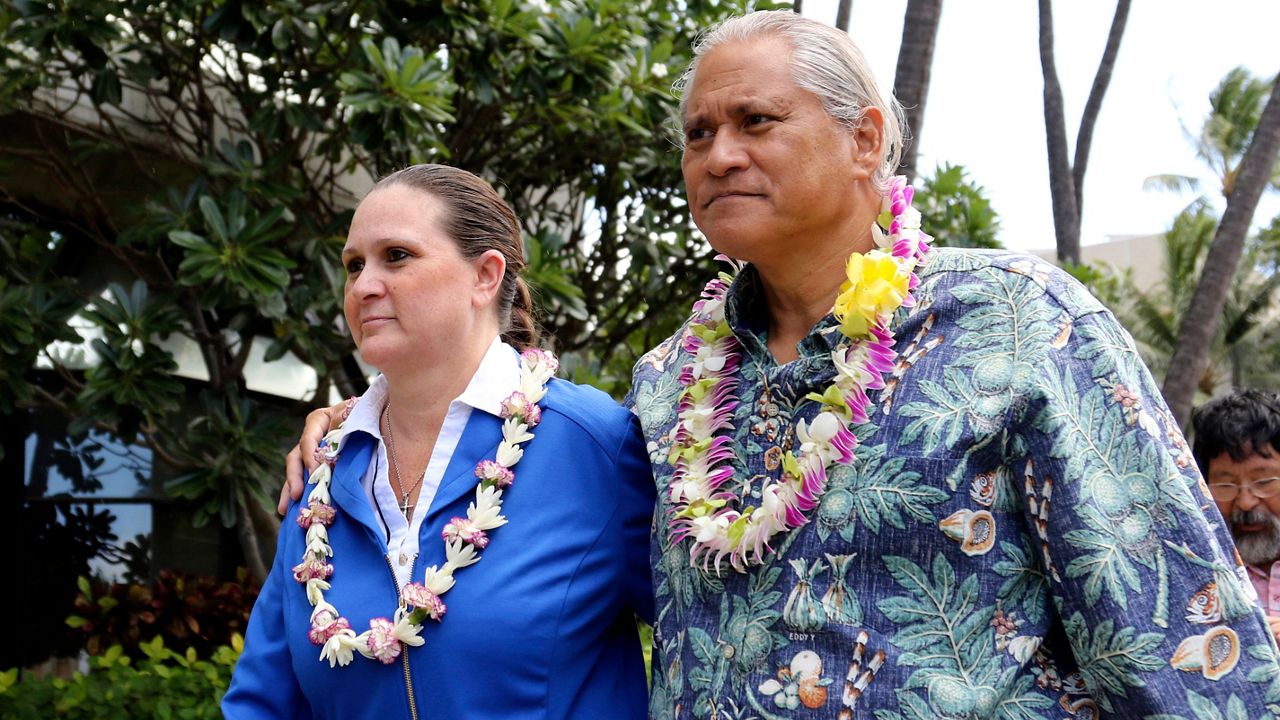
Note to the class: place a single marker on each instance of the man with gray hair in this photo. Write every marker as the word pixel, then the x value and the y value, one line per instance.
pixel 901 482
pixel 1236 443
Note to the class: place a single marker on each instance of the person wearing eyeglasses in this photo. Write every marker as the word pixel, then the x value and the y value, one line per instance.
pixel 1237 446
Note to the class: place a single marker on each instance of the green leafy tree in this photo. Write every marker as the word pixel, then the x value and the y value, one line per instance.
pixel 1245 344
pixel 1235 108
pixel 1247 341
pixel 956 210
pixel 184 173
pixel 1255 172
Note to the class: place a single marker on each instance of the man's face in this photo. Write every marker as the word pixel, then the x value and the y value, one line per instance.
pixel 764 165
pixel 1254 522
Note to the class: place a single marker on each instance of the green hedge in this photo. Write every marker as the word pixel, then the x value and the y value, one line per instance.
pixel 163 685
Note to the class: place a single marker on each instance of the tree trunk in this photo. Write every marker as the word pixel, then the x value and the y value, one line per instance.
pixel 1084 139
pixel 1066 220
pixel 248 537
pixel 843 10
pixel 911 79
pixel 1200 322
pixel 795 7
pixel 266 528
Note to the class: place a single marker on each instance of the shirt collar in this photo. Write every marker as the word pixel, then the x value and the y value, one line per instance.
pixel 748 316
pixel 366 416
pixel 1264 573
pixel 497 377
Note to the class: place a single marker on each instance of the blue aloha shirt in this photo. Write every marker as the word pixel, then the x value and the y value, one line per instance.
pixel 1023 533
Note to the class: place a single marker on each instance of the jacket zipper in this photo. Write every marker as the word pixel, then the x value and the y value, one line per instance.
pixel 404 650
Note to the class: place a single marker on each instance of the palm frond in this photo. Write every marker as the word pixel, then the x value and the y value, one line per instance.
pixel 1171 183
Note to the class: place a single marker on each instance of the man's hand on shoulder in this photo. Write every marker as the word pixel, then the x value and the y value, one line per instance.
pixel 318 424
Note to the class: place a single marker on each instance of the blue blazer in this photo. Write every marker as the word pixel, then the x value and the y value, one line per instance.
pixel 542 628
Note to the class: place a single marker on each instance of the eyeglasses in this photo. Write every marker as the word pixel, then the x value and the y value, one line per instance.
pixel 1260 488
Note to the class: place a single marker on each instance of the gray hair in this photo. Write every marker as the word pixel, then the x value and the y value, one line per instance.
pixel 824 61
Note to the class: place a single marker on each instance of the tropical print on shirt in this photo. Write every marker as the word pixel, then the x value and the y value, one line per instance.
pixel 1023 533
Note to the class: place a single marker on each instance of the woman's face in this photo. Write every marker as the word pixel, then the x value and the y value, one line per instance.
pixel 410 294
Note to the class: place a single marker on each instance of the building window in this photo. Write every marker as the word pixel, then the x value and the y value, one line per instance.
pixel 100 489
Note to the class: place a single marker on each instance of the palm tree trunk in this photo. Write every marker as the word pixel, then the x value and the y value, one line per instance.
pixel 1066 219
pixel 1084 139
pixel 843 10
pixel 911 79
pixel 1200 322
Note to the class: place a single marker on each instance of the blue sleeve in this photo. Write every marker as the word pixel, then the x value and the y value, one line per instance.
pixel 264 684
pixel 1155 605
pixel 637 501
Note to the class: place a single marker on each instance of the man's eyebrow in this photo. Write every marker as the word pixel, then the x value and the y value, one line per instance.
pixel 752 104
pixel 743 106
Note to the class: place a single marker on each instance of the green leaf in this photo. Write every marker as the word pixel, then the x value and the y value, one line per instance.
pixel 280 34
pixel 106 87
pixel 1112 659
pixel 1204 708
pixel 189 240
pixel 213 219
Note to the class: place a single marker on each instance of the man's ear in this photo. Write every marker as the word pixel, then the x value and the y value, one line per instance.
pixel 868 137
pixel 490 268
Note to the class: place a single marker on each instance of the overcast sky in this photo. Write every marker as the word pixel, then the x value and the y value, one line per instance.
pixel 985 109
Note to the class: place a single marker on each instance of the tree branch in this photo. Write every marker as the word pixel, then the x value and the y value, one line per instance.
pixel 843 10
pixel 911 78
pixel 1066 222
pixel 1093 106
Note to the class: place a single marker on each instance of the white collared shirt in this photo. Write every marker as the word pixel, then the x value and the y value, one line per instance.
pixel 497 377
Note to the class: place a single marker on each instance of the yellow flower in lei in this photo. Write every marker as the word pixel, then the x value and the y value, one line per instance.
pixel 704 505
pixel 876 286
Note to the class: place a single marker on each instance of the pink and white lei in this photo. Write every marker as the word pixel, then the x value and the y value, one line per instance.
pixel 705 508
pixel 463 537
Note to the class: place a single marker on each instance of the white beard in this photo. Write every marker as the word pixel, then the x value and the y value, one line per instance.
pixel 1259 548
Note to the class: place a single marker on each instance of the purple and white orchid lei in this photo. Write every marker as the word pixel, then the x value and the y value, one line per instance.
pixel 463 537
pixel 704 506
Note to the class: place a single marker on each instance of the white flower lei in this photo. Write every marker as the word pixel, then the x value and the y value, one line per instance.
pixel 463 537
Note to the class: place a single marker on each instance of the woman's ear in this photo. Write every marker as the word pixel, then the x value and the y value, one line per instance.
pixel 868 136
pixel 490 268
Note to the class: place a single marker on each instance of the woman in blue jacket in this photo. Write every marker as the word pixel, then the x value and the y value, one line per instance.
pixel 475 544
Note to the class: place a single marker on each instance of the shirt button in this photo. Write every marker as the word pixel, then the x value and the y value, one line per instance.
pixel 403 560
